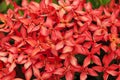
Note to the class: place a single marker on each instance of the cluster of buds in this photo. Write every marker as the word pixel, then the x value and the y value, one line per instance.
pixel 49 41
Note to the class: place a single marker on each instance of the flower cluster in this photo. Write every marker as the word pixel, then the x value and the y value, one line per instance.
pixel 49 41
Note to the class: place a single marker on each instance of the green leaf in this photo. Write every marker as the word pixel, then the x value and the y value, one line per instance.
pixel 10 6
pixel 95 3
pixel 55 1
pixel 3 7
pixel 104 2
pixel 37 1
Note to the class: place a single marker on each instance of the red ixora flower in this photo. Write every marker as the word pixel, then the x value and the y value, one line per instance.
pixel 51 41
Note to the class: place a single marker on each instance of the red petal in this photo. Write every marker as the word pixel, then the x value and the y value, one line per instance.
pixel 88 6
pixel 69 75
pixel 3 53
pixel 39 64
pixel 25 21
pixel 80 39
pixel 98 68
pixel 86 61
pixel 80 49
pixel 46 75
pixel 87 35
pixel 67 49
pixel 36 72
pixel 35 51
pixel 59 45
pixel 113 67
pixel 20 58
pixel 96 60
pixel 27 65
pixel 16 38
pixel 111 72
pixel 70 42
pixel 55 6
pixel 60 26
pixel 83 76
pixel 118 78
pixel 59 71
pixel 44 31
pixel 68 34
pixel 12 66
pixel 10 76
pixel 31 42
pixel 73 61
pixel 49 22
pixel 83 28
pixel 61 13
pixel 23 32
pixel 105 76
pixel 4 59
pixel 28 74
pixel 24 3
pixel 92 72
pixel 63 56
pixel 18 79
pixel 13 49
